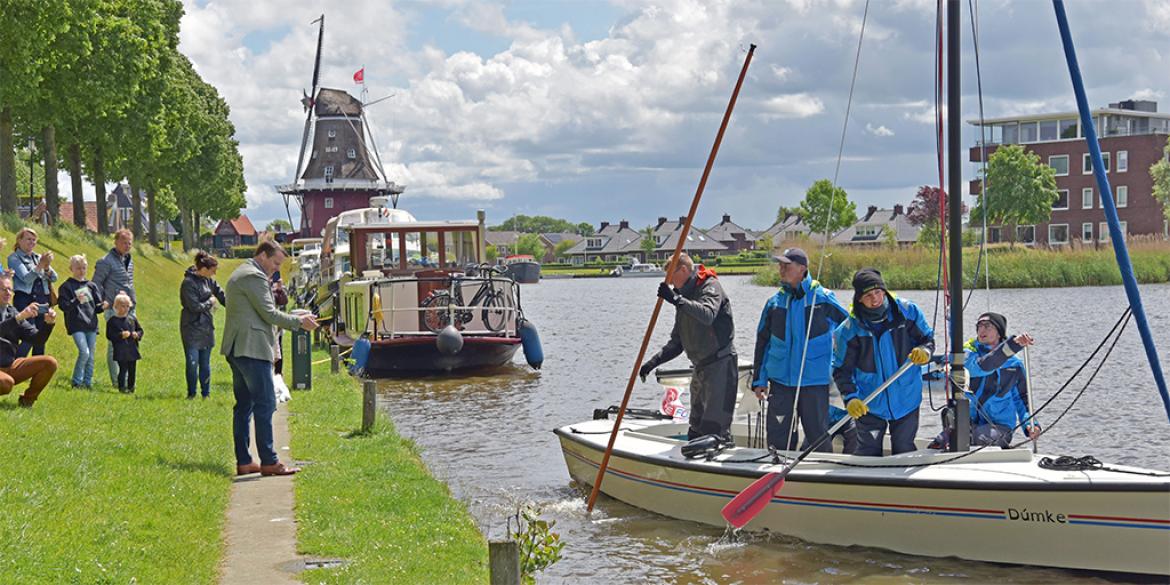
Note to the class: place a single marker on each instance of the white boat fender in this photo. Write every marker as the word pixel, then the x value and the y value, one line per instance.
pixel 449 341
pixel 530 342
pixel 360 355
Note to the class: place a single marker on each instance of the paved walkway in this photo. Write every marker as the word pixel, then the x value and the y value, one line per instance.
pixel 261 531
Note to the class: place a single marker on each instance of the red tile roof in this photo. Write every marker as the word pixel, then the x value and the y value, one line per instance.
pixel 243 226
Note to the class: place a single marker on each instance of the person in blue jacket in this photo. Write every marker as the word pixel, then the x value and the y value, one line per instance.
pixel 881 333
pixel 999 385
pixel 786 371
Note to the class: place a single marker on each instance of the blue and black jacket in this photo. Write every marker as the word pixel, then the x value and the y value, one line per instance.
pixel 866 353
pixel 781 334
pixel 999 384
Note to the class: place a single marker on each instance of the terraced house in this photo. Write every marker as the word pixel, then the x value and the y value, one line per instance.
pixel 1132 134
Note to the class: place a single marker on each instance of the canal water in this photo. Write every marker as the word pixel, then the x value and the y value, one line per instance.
pixel 490 437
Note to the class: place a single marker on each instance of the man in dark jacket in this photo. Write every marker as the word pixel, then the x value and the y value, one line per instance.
pixel 704 330
pixel 882 332
pixel 16 327
pixel 114 273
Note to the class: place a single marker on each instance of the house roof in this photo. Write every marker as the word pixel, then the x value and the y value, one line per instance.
pixel 555 238
pixel 615 239
pixel 666 233
pixel 726 231
pixel 502 237
pixel 884 220
pixel 242 226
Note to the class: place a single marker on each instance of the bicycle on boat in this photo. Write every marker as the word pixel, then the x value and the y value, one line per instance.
pixel 494 313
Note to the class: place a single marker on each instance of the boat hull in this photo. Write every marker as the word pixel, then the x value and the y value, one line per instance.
pixel 420 356
pixel 1068 524
pixel 525 272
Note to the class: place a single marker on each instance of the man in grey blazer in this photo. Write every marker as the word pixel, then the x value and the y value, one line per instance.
pixel 248 337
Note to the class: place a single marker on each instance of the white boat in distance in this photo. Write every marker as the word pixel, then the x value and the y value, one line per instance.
pixel 999 505
pixel 639 270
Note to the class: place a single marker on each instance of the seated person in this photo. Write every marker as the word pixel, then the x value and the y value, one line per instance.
pixel 999 386
pixel 20 326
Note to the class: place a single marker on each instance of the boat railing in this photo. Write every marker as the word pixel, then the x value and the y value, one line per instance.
pixel 402 310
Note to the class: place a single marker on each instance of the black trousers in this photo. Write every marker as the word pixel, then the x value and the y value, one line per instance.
pixel 872 429
pixel 126 374
pixel 713 389
pixel 813 411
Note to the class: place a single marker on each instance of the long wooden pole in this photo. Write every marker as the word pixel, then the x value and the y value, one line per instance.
pixel 682 238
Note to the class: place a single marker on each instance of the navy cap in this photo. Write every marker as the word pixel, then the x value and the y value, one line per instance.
pixel 792 255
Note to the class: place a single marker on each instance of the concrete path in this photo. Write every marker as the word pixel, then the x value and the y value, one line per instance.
pixel 261 531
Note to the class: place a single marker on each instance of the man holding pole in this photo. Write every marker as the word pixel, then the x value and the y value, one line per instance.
pixel 794 347
pixel 704 330
pixel 882 332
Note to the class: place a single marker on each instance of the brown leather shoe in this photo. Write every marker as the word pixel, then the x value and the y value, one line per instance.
pixel 252 467
pixel 278 468
pixel 24 402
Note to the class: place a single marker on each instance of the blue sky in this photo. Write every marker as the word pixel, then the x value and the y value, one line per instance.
pixel 601 111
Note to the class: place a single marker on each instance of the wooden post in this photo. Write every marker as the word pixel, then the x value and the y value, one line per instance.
pixel 369 404
pixel 334 358
pixel 504 562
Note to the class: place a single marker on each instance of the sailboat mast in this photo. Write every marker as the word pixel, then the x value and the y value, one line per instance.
pixel 959 424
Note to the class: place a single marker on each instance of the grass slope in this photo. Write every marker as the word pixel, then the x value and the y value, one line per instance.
pixel 98 487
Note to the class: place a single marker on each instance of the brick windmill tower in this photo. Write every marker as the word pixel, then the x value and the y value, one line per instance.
pixel 344 169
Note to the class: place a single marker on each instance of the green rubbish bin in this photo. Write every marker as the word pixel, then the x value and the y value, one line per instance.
pixel 302 360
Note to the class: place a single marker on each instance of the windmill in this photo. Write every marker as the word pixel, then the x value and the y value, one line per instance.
pixel 343 168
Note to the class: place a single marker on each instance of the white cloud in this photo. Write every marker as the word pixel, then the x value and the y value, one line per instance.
pixel 878 130
pixel 794 105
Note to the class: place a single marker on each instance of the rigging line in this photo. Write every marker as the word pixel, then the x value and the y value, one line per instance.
pixel 828 223
pixel 984 259
pixel 1105 358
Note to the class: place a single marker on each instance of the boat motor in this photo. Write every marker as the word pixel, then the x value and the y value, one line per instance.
pixel 449 341
pixel 707 447
pixel 530 342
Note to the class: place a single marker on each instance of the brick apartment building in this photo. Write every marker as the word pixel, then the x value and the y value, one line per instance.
pixel 1132 135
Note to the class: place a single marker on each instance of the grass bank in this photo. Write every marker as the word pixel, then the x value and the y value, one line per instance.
pixel 370 500
pixel 98 487
pixel 917 268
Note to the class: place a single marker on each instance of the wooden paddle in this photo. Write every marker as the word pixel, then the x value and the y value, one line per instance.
pixel 752 500
pixel 682 238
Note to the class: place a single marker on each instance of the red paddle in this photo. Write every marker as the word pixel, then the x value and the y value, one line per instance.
pixel 752 500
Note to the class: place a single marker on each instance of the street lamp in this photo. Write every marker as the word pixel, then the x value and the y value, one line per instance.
pixel 32 148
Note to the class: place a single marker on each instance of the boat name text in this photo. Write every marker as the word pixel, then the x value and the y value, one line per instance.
pixel 1025 515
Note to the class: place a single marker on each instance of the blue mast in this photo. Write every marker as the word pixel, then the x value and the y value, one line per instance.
pixel 1119 247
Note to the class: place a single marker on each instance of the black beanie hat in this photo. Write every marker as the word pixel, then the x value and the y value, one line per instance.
pixel 866 280
pixel 998 321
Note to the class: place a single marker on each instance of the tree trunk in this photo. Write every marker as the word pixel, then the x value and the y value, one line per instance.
pixel 7 163
pixel 75 182
pixel 99 183
pixel 52 197
pixel 187 225
pixel 136 199
pixel 152 216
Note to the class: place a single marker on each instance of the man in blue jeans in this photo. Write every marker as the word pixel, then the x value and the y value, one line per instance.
pixel 248 338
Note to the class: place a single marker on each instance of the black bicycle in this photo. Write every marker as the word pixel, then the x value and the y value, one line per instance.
pixel 438 311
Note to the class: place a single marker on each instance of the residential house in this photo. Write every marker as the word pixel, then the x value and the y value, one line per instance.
pixel 504 241
pixel 120 210
pixel 554 239
pixel 733 237
pixel 877 225
pixel 698 245
pixel 65 214
pixel 234 232
pixel 609 244
pixel 116 218
pixel 1132 135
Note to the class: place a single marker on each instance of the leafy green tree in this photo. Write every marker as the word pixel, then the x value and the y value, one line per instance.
pixel 585 229
pixel 924 213
pixel 785 211
pixel 530 244
pixel 648 244
pixel 279 225
pixel 491 253
pixel 562 248
pixel 820 199
pixel 538 224
pixel 1021 192
pixel 1160 171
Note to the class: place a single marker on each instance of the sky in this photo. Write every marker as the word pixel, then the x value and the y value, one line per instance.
pixel 603 111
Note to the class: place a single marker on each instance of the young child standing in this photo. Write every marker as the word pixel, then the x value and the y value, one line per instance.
pixel 124 332
pixel 81 300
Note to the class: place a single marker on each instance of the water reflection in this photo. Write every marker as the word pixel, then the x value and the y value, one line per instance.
pixel 488 435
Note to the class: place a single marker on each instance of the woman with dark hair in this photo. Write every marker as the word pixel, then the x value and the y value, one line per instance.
pixel 199 295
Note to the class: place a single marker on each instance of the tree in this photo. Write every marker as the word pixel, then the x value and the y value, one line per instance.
pixel 815 209
pixel 562 248
pixel 1160 171
pixel 585 229
pixel 531 245
pixel 924 213
pixel 491 253
pixel 1021 191
pixel 279 225
pixel 539 224
pixel 648 243
pixel 785 211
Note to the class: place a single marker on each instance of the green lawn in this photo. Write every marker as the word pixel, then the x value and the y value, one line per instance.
pixel 99 487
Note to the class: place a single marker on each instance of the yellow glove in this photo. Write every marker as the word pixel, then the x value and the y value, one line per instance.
pixel 919 356
pixel 856 408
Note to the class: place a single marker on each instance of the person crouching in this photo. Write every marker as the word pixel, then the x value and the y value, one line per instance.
pixel 124 332
pixel 17 327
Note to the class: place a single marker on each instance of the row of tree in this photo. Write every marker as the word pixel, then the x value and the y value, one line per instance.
pixel 542 224
pixel 102 89
pixel 1021 191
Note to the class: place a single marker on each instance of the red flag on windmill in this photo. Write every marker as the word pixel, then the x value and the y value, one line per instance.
pixel 360 75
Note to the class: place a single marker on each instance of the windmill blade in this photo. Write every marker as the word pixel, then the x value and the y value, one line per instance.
pixel 304 144
pixel 310 99
pixel 317 63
